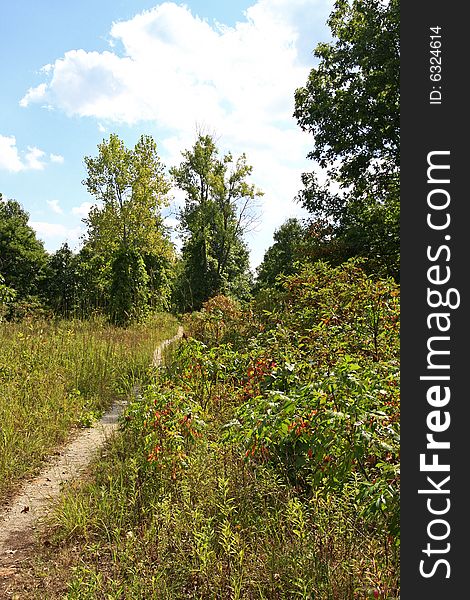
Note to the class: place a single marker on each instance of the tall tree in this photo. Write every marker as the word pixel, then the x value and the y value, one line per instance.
pixel 350 104
pixel 218 211
pixel 129 289
pixel 131 188
pixel 7 296
pixel 62 281
pixel 22 256
pixel 94 277
pixel 281 257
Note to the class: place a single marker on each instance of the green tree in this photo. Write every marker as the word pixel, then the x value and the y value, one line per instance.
pixel 7 296
pixel 160 269
pixel 62 281
pixel 94 276
pixel 129 288
pixel 131 188
pixel 280 258
pixel 218 210
pixel 350 104
pixel 22 256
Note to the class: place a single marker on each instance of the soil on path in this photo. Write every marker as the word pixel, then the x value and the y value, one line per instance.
pixel 19 520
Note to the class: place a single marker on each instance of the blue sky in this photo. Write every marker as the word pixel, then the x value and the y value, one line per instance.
pixel 74 72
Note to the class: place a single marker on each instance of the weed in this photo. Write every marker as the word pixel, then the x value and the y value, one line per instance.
pixel 57 375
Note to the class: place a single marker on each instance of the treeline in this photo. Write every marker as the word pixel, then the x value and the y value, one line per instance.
pixel 128 266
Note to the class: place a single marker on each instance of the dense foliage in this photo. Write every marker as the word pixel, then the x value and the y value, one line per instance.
pixel 22 256
pixel 127 266
pixel 317 381
pixel 125 229
pixel 282 256
pixel 217 211
pixel 131 187
pixel 262 461
pixel 350 104
pixel 129 287
pixel 62 281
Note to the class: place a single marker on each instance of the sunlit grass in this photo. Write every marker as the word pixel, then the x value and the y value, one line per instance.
pixel 219 528
pixel 218 485
pixel 58 375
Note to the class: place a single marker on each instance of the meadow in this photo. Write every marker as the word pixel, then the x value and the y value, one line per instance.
pixel 59 375
pixel 261 461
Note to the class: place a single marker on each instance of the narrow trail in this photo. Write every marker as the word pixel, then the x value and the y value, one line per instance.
pixel 158 354
pixel 19 520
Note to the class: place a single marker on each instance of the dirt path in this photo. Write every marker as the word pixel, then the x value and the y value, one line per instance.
pixel 19 520
pixel 157 355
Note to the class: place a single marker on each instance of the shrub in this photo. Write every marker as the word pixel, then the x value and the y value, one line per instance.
pixel 217 319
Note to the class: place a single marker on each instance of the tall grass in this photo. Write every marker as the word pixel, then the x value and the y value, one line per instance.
pixel 58 375
pixel 215 527
pixel 260 462
pixel 219 531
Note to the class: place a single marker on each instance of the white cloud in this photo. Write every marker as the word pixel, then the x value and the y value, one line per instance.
pixel 179 70
pixel 56 158
pixel 55 234
pixel 11 159
pixel 170 67
pixel 54 206
pixel 34 159
pixel 171 222
pixel 82 210
pixel 37 93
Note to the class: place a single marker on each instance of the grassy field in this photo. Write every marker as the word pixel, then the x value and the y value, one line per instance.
pixel 259 462
pixel 219 531
pixel 58 375
pixel 206 524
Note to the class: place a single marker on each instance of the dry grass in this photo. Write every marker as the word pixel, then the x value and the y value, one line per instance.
pixel 58 375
